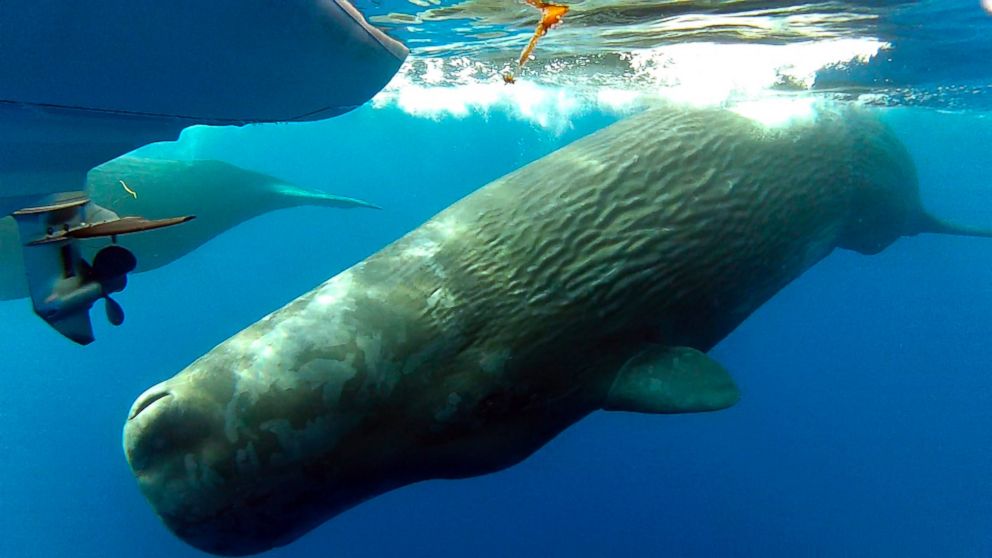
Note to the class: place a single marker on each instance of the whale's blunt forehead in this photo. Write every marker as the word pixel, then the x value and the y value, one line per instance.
pixel 267 404
pixel 309 373
pixel 232 396
pixel 292 367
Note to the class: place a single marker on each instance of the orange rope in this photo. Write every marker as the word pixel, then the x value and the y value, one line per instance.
pixel 551 15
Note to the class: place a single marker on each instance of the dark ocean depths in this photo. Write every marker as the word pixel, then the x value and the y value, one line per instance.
pixel 865 427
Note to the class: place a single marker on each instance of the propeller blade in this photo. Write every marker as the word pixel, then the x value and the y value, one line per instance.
pixel 115 314
pixel 111 266
pixel 113 261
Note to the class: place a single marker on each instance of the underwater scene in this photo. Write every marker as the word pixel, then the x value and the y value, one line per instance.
pixel 430 278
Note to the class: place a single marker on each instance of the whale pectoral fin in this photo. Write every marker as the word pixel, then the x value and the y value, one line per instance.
pixel 671 380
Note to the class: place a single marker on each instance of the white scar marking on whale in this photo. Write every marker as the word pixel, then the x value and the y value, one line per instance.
pixel 428 246
pixel 422 250
pixel 334 290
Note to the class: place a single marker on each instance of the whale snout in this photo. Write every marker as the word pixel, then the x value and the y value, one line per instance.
pixel 147 399
pixel 174 442
pixel 162 429
pixel 217 481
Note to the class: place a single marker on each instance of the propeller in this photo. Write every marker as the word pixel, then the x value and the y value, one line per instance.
pixel 64 286
pixel 110 268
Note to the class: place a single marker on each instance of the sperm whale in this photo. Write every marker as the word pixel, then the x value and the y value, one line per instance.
pixel 594 278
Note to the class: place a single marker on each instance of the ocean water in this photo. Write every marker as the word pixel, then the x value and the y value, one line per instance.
pixel 864 427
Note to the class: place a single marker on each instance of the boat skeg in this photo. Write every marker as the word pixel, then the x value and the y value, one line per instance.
pixel 62 285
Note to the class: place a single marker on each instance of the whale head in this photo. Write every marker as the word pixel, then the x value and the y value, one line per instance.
pixel 237 465
pixel 176 445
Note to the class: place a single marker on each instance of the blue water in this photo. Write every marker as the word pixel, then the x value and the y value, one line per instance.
pixel 863 429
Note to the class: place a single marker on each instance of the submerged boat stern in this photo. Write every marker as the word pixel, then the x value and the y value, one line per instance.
pixel 83 83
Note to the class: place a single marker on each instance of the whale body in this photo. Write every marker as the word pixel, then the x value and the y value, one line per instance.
pixel 221 195
pixel 594 278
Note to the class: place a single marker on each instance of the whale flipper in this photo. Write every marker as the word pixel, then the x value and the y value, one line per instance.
pixel 671 380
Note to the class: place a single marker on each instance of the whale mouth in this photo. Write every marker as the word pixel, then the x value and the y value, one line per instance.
pixel 147 401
